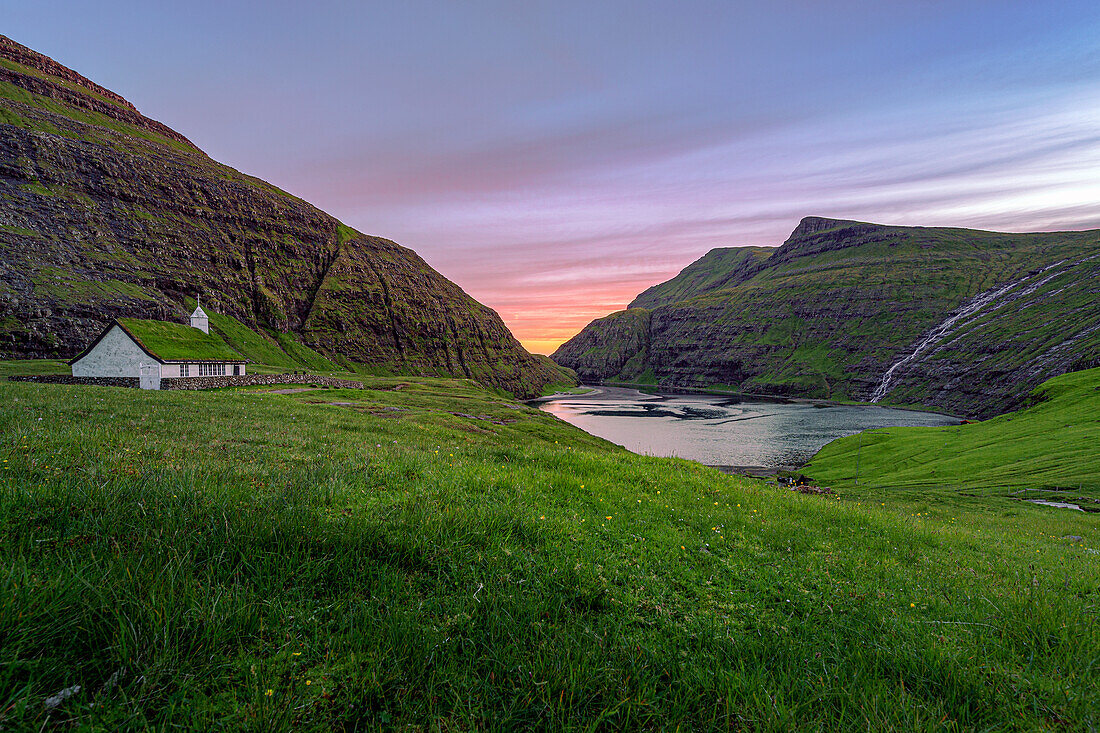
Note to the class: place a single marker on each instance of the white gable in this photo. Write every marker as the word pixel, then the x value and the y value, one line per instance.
pixel 199 319
pixel 115 355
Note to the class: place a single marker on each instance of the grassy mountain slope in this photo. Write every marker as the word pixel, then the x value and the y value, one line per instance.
pixel 716 269
pixel 1046 451
pixel 830 311
pixel 104 213
pixel 281 351
pixel 424 553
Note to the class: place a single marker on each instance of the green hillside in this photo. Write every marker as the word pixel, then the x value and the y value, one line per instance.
pixel 828 313
pixel 1049 450
pixel 108 214
pixel 718 268
pixel 423 554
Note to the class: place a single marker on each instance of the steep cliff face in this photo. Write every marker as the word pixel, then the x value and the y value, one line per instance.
pixel 107 213
pixel 617 344
pixel 963 320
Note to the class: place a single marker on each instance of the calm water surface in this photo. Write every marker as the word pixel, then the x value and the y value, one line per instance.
pixel 723 431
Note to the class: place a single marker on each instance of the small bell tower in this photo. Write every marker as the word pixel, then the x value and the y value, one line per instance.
pixel 199 319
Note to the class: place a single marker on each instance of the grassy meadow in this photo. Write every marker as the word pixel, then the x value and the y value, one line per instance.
pixel 1050 450
pixel 424 554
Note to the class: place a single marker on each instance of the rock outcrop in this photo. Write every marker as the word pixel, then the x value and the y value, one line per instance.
pixel 829 313
pixel 107 213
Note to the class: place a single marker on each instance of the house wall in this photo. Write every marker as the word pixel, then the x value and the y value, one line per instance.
pixel 116 355
pixel 171 371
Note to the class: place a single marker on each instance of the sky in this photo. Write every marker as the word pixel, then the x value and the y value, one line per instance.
pixel 557 158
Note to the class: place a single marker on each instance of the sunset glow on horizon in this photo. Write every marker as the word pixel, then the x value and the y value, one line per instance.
pixel 556 159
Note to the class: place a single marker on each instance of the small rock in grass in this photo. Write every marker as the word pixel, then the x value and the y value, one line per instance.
pixel 53 701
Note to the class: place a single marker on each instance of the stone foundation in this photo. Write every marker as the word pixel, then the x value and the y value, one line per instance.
pixel 69 379
pixel 244 380
pixel 249 380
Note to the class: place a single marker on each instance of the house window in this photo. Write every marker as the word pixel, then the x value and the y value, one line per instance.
pixel 236 370
pixel 183 369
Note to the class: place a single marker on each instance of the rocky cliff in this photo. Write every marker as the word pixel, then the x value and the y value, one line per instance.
pixel 963 320
pixel 107 213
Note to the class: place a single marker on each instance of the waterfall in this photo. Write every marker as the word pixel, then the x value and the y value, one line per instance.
pixel 972 307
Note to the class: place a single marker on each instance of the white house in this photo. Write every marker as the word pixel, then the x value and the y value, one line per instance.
pixel 152 350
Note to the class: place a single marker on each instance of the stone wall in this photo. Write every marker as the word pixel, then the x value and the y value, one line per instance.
pixel 69 379
pixel 244 380
pixel 248 380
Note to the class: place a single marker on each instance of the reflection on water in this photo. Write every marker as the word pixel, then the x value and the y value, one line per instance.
pixel 723 431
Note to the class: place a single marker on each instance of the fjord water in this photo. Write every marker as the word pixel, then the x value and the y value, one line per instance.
pixel 724 431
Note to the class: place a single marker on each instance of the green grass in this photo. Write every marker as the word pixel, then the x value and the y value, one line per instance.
pixel 711 271
pixel 304 355
pixel 23 96
pixel 37 188
pixel 253 345
pixel 269 354
pixel 1047 450
pixel 11 117
pixel 240 560
pixel 9 367
pixel 22 231
pixel 560 389
pixel 572 390
pixel 345 233
pixel 169 340
pixel 65 288
pixel 72 86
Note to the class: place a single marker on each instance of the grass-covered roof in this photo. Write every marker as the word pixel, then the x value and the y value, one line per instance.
pixel 178 342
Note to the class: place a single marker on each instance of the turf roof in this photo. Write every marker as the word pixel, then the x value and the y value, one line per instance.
pixel 177 342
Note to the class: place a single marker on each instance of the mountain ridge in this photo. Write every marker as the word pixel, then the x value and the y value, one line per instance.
pixel 832 309
pixel 108 213
pixel 51 82
pixel 716 269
